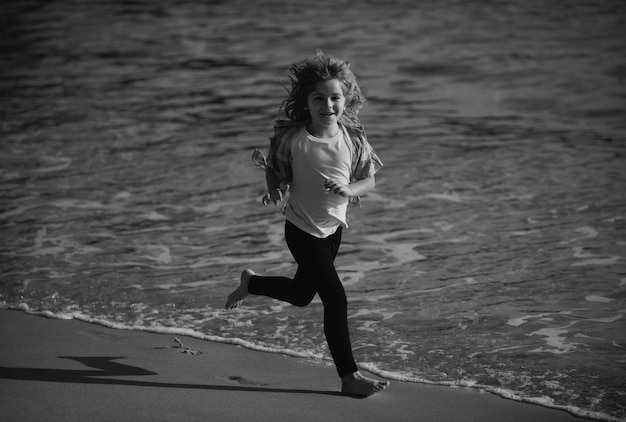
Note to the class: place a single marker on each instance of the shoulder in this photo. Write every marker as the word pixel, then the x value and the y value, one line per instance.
pixel 365 162
pixel 286 127
pixel 355 131
pixel 357 136
pixel 283 133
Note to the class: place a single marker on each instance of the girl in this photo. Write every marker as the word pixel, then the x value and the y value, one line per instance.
pixel 321 154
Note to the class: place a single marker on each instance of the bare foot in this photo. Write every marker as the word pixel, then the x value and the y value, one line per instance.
pixel 236 298
pixel 359 386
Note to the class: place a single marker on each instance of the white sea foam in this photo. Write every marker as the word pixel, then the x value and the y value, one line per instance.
pixel 403 252
pixel 516 322
pixel 504 349
pixel 123 195
pixel 592 259
pixel 16 211
pixel 555 340
pixel 446 196
pixel 587 232
pixel 163 255
pixel 382 312
pixel 233 260
pixel 470 280
pixel 217 205
pixel 502 392
pixel 608 319
pixel 352 274
pixel 396 253
pixel 524 232
pixel 155 216
pixel 56 164
pixel 177 288
pixel 44 244
pixel 83 204
pixel 597 298
pixel 389 203
pixel 405 294
pixel 166 330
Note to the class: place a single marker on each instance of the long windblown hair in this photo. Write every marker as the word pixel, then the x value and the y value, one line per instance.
pixel 306 75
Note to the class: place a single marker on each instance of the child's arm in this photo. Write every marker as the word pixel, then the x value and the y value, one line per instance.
pixel 274 193
pixel 358 188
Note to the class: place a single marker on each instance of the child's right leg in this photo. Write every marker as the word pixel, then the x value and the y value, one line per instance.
pixel 236 298
pixel 281 288
pixel 291 290
pixel 296 291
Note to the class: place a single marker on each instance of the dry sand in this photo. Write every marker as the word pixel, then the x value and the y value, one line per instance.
pixel 56 370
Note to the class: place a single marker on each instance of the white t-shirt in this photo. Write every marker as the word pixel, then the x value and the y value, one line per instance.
pixel 314 160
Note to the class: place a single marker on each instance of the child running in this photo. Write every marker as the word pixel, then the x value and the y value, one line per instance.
pixel 321 153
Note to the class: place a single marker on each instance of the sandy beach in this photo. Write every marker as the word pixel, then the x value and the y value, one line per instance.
pixel 59 370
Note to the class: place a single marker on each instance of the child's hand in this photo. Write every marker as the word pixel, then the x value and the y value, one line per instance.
pixel 338 188
pixel 276 196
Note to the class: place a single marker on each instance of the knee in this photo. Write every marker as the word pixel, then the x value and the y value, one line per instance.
pixel 302 300
pixel 337 302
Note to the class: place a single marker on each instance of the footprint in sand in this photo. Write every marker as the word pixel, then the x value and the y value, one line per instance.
pixel 244 381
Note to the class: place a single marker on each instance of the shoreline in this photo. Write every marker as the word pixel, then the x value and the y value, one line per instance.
pixel 71 370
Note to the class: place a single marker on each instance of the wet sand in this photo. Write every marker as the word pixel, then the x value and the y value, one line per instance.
pixel 74 371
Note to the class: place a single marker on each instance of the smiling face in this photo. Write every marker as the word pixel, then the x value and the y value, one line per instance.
pixel 326 104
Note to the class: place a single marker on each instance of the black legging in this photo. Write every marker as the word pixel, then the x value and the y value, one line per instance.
pixel 316 274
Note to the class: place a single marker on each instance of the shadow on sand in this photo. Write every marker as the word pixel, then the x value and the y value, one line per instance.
pixel 105 366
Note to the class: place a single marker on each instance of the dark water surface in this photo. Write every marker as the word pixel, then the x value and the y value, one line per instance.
pixel 491 254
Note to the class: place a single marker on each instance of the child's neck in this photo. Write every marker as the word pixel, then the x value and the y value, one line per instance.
pixel 324 131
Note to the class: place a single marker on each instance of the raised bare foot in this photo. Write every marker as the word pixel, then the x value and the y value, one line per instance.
pixel 358 385
pixel 236 298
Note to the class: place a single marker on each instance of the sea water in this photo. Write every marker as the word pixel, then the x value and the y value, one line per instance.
pixel 491 255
